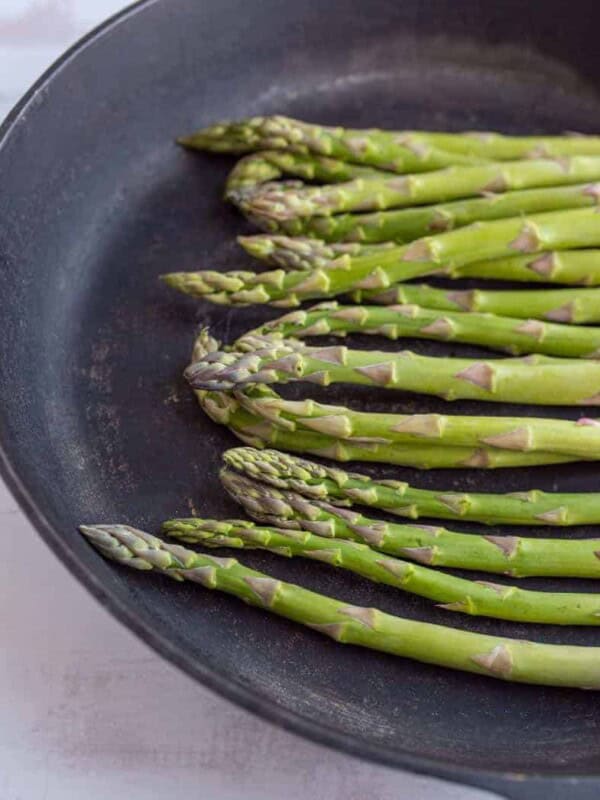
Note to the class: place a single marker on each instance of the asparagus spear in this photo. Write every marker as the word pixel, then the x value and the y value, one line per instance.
pixel 257 430
pixel 499 147
pixel 281 133
pixel 574 306
pixel 435 546
pixel 269 165
pixel 568 382
pixel 569 266
pixel 479 598
pixel 397 321
pixel 481 241
pixel 336 486
pixel 507 659
pixel 406 224
pixel 432 432
pixel 577 267
pixel 373 146
pixel 252 420
pixel 452 183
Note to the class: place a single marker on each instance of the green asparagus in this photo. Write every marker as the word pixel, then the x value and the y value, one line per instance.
pixel 479 598
pixel 516 556
pixel 398 321
pixel 406 224
pixel 259 431
pixel 575 267
pixel 568 382
pixel 569 266
pixel 266 426
pixel 572 306
pixel 336 486
pixel 507 659
pixel 525 435
pixel 378 193
pixel 301 253
pixel 398 150
pixel 480 241
pixel 269 165
pixel 281 133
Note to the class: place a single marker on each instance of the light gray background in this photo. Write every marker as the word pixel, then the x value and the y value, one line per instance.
pixel 86 710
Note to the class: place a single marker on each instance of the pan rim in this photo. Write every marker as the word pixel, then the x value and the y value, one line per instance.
pixel 224 685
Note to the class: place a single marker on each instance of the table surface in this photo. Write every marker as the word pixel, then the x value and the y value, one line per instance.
pixel 86 710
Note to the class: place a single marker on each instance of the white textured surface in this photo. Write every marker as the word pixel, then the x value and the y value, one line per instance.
pixel 86 710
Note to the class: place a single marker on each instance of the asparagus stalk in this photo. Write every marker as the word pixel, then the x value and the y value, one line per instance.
pixel 257 430
pixel 374 146
pixel 281 133
pixel 336 486
pixel 260 417
pixel 568 382
pixel 250 417
pixel 432 432
pixel 569 266
pixel 507 659
pixel 434 546
pixel 452 183
pixel 500 147
pixel 572 306
pixel 406 224
pixel 577 267
pixel 397 321
pixel 261 433
pixel 481 241
pixel 269 165
pixel 478 598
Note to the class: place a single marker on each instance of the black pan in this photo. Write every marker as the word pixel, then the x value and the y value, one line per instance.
pixel 96 424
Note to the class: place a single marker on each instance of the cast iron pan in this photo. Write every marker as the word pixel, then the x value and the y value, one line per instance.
pixel 96 423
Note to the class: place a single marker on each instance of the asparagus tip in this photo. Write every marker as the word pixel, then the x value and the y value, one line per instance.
pixel 90 530
pixel 102 537
pixel 101 533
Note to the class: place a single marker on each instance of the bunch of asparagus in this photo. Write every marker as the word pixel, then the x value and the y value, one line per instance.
pixel 361 214
pixel 260 417
pixel 448 181
pixel 307 510
pixel 385 208
pixel 507 659
pixel 380 269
